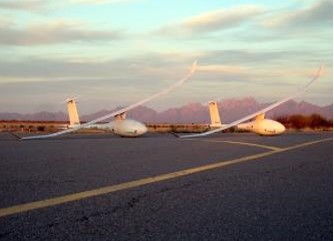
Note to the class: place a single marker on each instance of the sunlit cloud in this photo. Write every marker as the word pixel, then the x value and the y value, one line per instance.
pixel 149 66
pixel 318 14
pixel 40 6
pixel 99 50
pixel 27 5
pixel 104 83
pixel 222 68
pixel 54 32
pixel 5 22
pixel 103 1
pixel 214 21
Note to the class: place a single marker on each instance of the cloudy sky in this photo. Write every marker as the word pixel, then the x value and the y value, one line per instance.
pixel 114 52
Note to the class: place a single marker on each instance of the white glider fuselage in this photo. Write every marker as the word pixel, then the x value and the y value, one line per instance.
pixel 124 128
pixel 265 127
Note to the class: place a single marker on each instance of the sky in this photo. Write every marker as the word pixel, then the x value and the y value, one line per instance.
pixel 112 53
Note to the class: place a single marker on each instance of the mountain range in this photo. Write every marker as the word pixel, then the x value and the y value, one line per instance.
pixel 229 109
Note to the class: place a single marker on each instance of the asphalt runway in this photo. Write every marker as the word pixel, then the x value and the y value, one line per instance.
pixel 221 187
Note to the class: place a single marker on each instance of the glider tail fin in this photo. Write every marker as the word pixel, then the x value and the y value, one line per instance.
pixel 121 116
pixel 73 113
pixel 260 116
pixel 214 114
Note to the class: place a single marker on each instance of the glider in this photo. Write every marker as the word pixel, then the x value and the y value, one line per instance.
pixel 121 111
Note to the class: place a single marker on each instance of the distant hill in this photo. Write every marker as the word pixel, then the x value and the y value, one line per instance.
pixel 230 109
pixel 39 116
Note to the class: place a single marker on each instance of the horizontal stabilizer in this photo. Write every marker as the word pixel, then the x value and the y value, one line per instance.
pixel 260 116
pixel 121 116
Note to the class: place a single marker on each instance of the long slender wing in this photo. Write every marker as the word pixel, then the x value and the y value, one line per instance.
pixel 163 92
pixel 270 107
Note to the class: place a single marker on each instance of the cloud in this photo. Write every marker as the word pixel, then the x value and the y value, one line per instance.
pixel 5 22
pixel 43 6
pixel 158 66
pixel 104 83
pixel 230 69
pixel 102 1
pixel 27 5
pixel 318 14
pixel 275 57
pixel 214 21
pixel 136 67
pixel 56 32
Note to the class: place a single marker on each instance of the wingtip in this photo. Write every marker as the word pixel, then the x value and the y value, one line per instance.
pixel 321 70
pixel 176 135
pixel 194 66
pixel 14 135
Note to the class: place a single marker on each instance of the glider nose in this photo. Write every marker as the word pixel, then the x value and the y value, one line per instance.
pixel 280 128
pixel 142 129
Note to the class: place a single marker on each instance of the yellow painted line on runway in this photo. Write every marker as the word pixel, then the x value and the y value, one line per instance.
pixel 238 143
pixel 306 144
pixel 137 183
